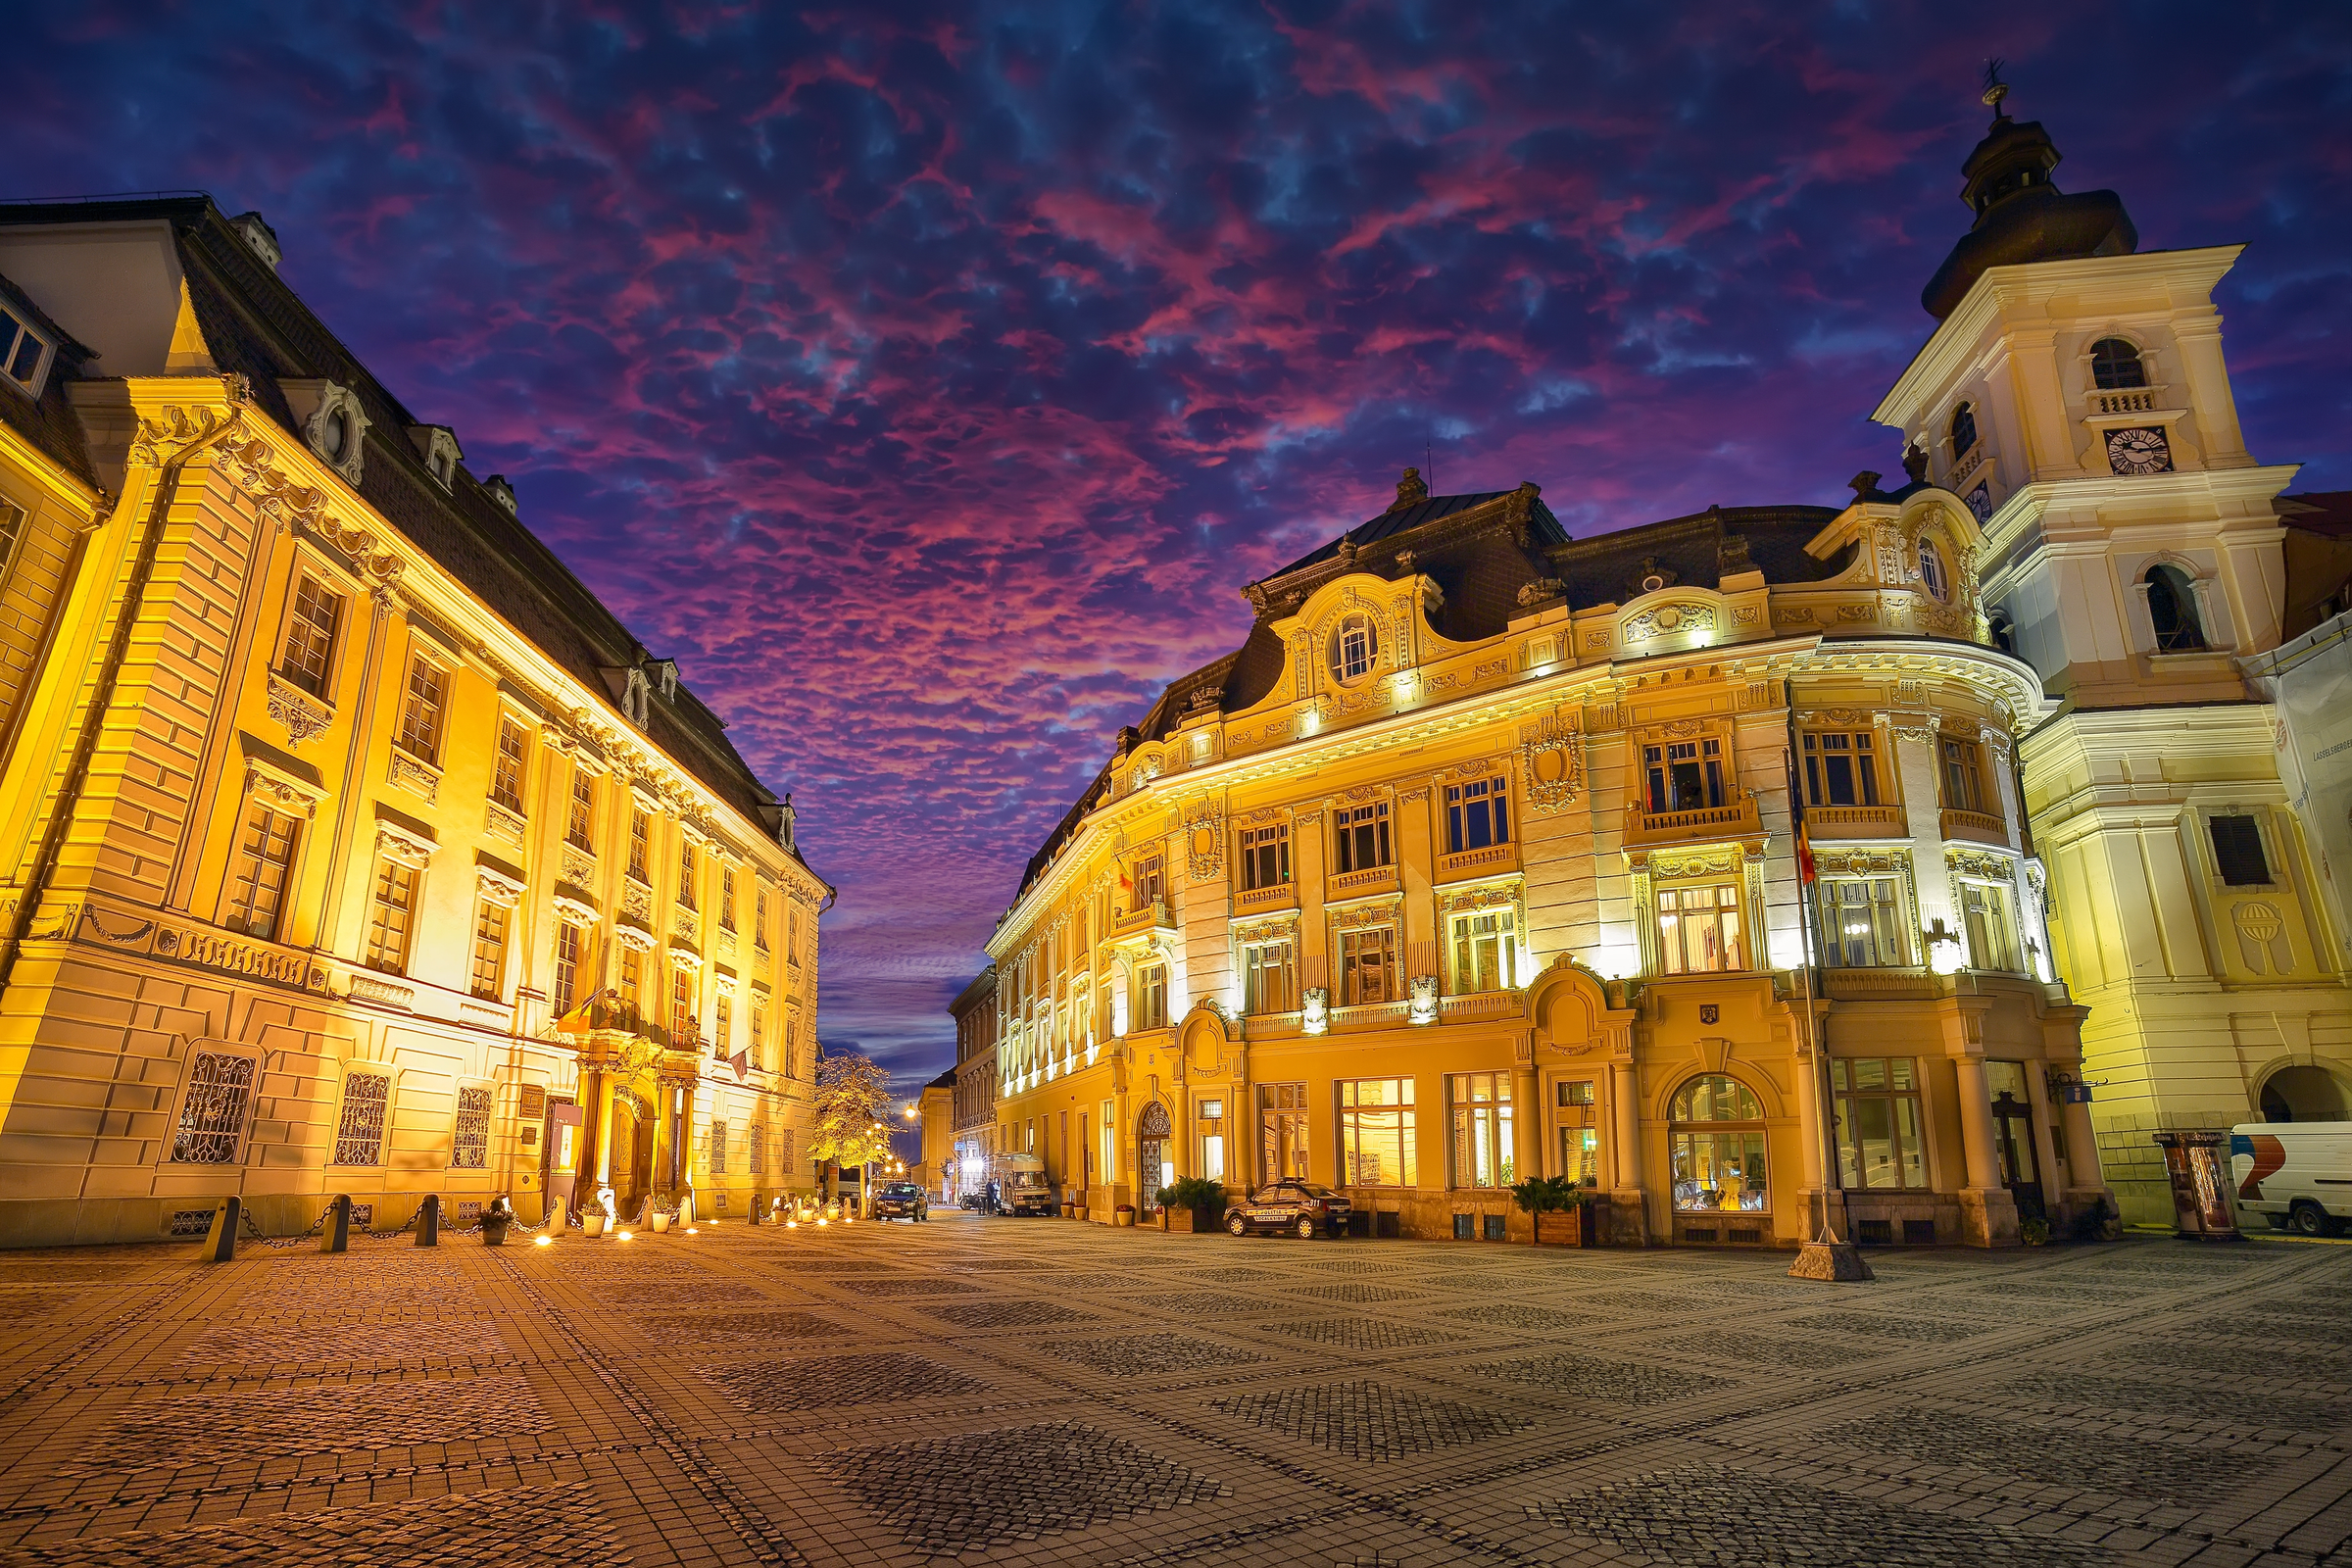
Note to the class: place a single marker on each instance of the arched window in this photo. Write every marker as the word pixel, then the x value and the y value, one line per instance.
pixel 2173 606
pixel 2004 631
pixel 1964 431
pixel 1932 575
pixel 1354 649
pixel 1718 1147
pixel 2116 364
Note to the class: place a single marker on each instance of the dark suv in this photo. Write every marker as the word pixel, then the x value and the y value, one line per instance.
pixel 1289 1204
pixel 901 1200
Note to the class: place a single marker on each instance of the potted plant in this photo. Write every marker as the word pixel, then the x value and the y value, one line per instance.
pixel 593 1218
pixel 1193 1203
pixel 1557 1198
pixel 495 1220
pixel 2035 1232
pixel 663 1215
pixel 1124 1214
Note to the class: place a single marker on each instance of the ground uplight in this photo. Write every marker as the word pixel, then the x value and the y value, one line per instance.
pixel 542 1241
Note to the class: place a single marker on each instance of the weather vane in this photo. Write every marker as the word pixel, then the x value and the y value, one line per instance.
pixel 1995 89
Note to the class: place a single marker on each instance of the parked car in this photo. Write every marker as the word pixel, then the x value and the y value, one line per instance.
pixel 1300 1209
pixel 2297 1174
pixel 901 1200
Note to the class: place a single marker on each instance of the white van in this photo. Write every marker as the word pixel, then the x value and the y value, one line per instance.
pixel 2297 1174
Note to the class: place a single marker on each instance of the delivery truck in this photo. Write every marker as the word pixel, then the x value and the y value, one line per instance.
pixel 2295 1174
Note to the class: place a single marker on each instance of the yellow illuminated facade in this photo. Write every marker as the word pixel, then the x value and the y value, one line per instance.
pixel 356 847
pixel 1478 861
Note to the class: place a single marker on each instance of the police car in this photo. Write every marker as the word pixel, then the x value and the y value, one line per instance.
pixel 1299 1208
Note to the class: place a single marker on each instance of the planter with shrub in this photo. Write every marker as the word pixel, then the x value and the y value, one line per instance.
pixel 1192 1203
pixel 1563 1211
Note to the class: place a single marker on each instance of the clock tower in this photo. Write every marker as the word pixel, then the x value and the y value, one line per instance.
pixel 2074 395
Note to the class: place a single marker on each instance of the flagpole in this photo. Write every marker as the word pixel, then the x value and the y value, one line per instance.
pixel 1824 1088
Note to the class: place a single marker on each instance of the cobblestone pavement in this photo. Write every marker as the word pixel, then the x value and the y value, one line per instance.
pixel 1029 1391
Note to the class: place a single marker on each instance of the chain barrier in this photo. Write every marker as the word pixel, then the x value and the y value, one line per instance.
pixel 255 1232
pixel 391 1235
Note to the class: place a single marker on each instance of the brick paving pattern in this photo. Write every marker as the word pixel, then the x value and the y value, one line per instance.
pixel 1003 1393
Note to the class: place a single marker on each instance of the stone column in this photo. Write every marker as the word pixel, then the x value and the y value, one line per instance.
pixel 1526 1121
pixel 1630 1216
pixel 1987 1214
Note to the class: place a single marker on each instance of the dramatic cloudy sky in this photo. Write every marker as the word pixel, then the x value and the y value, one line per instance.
pixel 928 379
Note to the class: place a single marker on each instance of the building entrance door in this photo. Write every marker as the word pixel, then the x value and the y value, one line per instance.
pixel 1153 1171
pixel 2013 1140
pixel 560 1154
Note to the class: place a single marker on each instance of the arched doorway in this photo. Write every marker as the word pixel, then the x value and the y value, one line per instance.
pixel 1154 1169
pixel 2303 1094
pixel 632 1152
pixel 1717 1144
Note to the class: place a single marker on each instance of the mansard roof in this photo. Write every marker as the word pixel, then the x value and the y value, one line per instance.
pixel 255 325
pixel 48 421
pixel 1702 548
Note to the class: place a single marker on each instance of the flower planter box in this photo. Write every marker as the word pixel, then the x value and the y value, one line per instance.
pixel 1124 1214
pixel 1562 1227
pixel 1184 1221
pixel 661 1222
pixel 592 1225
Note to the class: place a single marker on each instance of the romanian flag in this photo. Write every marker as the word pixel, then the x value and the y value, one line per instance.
pixel 1804 852
pixel 741 1062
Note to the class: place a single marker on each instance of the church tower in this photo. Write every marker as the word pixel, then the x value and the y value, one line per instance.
pixel 2074 394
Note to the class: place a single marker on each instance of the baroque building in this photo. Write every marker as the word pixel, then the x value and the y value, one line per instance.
pixel 1479 860
pixel 2149 568
pixel 974 1012
pixel 352 844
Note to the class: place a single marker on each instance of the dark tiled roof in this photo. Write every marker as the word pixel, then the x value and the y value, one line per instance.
pixel 945 1080
pixel 1698 550
pixel 48 421
pixel 2321 511
pixel 1543 525
pixel 257 326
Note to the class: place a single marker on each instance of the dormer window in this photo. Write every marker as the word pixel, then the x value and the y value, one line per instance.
pixel 1964 431
pixel 437 445
pixel 1932 575
pixel 24 354
pixel 334 436
pixel 2115 365
pixel 1354 650
pixel 336 426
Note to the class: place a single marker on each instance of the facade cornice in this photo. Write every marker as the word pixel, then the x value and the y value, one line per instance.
pixel 2018 293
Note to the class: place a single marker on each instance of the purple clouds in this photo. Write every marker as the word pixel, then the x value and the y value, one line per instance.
pixel 928 380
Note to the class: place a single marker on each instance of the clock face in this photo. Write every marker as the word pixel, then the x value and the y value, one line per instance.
pixel 2139 450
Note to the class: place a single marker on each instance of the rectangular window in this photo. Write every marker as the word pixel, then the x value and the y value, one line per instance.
pixel 420 714
pixel 1579 1140
pixel 12 532
pixel 759 1033
pixel 726 898
pixel 568 946
pixel 1862 924
pixel 759 919
pixel 469 1145
pixel 681 1006
pixel 1361 837
pixel 1269 978
pixel 641 837
pixel 212 1119
pixel 360 1134
pixel 1266 856
pixel 23 353
pixel 632 977
pixel 722 1019
pixel 1477 814
pixel 1368 966
pixel 1484 951
pixel 1878 1139
pixel 686 872
pixel 1211 1118
pixel 1152 997
pixel 310 646
pixel 1150 882
pixel 1376 1132
pixel 1698 929
pixel 1962 774
pixel 1984 910
pixel 1841 769
pixel 489 948
pixel 1282 1130
pixel 257 890
pixel 391 916
pixel 1106 1160
pixel 719 1149
pixel 1684 776
pixel 506 774
pixel 2237 851
pixel 1479 1105
pixel 579 831
pixel 755 1157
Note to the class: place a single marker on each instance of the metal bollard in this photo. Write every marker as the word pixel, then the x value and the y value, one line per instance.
pixel 428 1222
pixel 335 1237
pixel 221 1246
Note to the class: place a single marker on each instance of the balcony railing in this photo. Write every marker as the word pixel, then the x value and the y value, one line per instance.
pixel 1879 985
pixel 1477 862
pixel 1252 900
pixel 1855 822
pixel 1981 826
pixel 1481 1004
pixel 1710 821
pixel 1154 913
pixel 2125 399
pixel 1355 884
